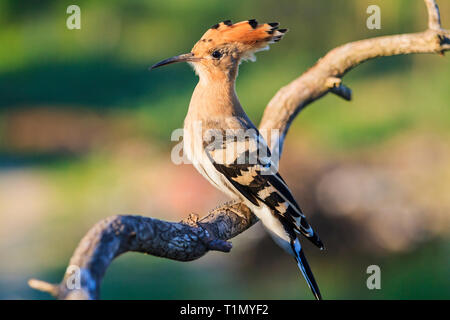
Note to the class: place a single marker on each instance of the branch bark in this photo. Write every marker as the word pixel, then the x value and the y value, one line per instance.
pixel 191 238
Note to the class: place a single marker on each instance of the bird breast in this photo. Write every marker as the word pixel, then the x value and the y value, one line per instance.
pixel 193 146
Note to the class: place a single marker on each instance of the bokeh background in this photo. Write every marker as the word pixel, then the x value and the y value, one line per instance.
pixel 85 133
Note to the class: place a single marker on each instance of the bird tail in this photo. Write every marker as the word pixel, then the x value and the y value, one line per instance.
pixel 303 227
pixel 304 268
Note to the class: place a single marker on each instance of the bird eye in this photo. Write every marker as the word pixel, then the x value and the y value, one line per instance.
pixel 216 54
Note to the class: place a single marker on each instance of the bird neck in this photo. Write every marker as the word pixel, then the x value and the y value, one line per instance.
pixel 215 97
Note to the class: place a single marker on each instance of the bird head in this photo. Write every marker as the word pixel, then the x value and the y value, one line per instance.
pixel 225 45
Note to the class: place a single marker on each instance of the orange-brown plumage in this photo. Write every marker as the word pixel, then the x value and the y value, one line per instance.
pixel 245 36
pixel 244 32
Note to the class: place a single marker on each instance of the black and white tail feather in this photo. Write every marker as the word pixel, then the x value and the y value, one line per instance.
pixel 305 269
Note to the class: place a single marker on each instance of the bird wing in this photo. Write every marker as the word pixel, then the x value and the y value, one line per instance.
pixel 245 161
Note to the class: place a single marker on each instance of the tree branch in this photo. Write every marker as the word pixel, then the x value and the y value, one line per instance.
pixel 314 83
pixel 191 238
pixel 434 18
pixel 184 241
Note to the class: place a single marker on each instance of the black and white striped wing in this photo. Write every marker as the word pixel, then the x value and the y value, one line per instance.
pixel 246 163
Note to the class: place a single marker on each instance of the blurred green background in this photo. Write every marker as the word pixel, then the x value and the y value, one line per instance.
pixel 85 133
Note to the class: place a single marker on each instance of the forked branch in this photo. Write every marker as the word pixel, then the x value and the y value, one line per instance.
pixel 190 239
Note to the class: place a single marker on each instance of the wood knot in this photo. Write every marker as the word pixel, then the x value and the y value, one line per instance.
pixel 191 220
pixel 333 82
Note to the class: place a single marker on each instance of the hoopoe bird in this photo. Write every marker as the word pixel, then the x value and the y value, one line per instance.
pixel 224 145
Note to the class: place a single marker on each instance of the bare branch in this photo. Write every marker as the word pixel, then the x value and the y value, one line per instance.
pixel 184 241
pixel 191 238
pixel 338 88
pixel 314 83
pixel 44 286
pixel 434 19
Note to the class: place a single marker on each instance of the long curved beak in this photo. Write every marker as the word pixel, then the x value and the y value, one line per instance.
pixel 180 58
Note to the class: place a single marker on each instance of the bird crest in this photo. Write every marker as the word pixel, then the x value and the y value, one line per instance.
pixel 247 37
pixel 225 44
